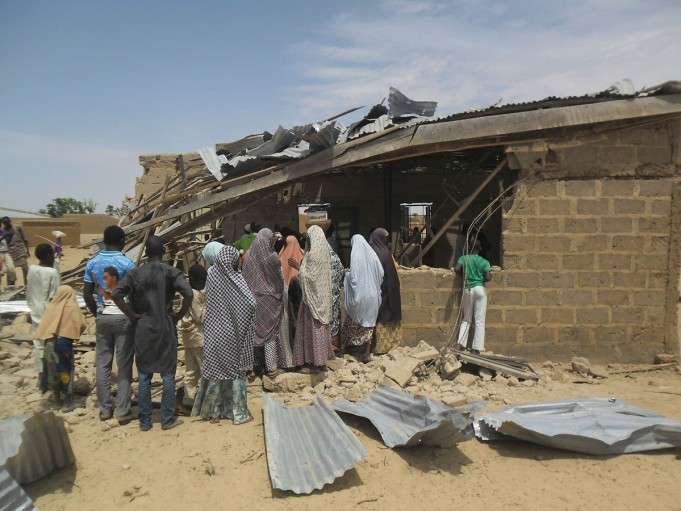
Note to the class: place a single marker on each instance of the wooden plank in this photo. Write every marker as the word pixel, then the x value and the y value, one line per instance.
pixel 463 207
pixel 148 230
pixel 499 367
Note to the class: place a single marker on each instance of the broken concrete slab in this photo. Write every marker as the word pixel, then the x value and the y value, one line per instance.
pixel 292 382
pixel 401 370
pixel 581 365
pixel 667 358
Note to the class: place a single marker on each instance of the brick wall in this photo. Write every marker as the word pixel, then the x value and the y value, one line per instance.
pixel 589 264
pixel 585 269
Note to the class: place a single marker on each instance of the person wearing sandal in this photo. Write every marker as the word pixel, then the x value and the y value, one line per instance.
pixel 312 345
pixel 265 278
pixel 151 289
pixel 228 342
pixel 61 325
pixel 362 298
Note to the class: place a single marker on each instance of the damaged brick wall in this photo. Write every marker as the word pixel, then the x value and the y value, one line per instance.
pixel 588 254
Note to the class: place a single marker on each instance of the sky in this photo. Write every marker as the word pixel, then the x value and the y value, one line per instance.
pixel 86 87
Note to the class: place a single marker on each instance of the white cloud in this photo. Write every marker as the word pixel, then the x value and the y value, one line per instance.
pixel 469 54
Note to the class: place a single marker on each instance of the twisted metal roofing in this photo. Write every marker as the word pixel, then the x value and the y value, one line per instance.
pixel 405 420
pixel 12 496
pixel 307 448
pixel 601 426
pixel 33 446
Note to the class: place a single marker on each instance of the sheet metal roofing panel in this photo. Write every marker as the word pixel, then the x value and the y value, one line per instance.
pixel 213 161
pixel 405 420
pixel 33 446
pixel 399 104
pixel 307 448
pixel 12 496
pixel 17 306
pixel 602 426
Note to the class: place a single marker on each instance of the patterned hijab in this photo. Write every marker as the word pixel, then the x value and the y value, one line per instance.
pixel 291 250
pixel 315 276
pixel 62 317
pixel 230 309
pixel 211 250
pixel 262 269
pixel 262 272
pixel 391 302
pixel 363 283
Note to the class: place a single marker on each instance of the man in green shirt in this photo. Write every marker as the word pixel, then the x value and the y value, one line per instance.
pixel 245 242
pixel 476 270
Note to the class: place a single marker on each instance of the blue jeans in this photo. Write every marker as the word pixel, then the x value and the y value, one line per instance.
pixel 167 401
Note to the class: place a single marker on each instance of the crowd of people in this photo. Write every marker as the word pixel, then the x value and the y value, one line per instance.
pixel 266 304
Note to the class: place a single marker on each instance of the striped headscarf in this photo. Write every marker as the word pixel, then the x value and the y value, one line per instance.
pixel 263 274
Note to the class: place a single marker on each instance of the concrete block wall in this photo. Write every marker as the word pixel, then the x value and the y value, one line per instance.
pixel 585 270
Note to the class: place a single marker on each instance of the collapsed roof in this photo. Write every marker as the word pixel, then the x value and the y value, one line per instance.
pixel 230 178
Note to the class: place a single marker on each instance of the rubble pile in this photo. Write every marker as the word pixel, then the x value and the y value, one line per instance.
pixel 417 370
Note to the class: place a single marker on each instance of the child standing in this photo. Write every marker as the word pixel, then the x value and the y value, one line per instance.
pixel 41 286
pixel 62 324
pixel 191 331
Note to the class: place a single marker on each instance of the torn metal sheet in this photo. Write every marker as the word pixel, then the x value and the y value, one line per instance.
pixel 12 496
pixel 213 161
pixel 602 426
pixel 307 448
pixel 399 104
pixel 33 446
pixel 281 139
pixel 18 306
pixel 324 135
pixel 405 420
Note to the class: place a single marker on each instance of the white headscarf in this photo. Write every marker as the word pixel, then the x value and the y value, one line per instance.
pixel 363 283
pixel 211 251
pixel 315 276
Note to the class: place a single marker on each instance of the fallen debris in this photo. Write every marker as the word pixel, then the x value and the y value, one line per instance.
pixel 645 368
pixel 599 426
pixel 404 420
pixel 33 446
pixel 307 448
pixel 502 365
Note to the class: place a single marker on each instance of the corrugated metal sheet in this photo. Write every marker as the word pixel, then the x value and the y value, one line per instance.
pixel 399 104
pixel 602 426
pixel 307 448
pixel 213 161
pixel 33 446
pixel 12 496
pixel 18 306
pixel 405 420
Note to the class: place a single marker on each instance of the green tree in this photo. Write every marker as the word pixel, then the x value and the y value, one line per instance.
pixel 68 205
pixel 112 211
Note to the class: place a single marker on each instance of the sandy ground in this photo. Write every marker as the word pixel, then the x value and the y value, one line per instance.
pixel 121 468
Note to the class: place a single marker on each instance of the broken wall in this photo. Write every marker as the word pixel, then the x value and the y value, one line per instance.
pixel 589 265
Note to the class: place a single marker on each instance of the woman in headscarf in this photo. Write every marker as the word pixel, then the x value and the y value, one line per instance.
pixel 337 272
pixel 362 297
pixel 292 292
pixel 263 274
pixel 389 322
pixel 228 342
pixel 61 325
pixel 312 346
pixel 211 251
